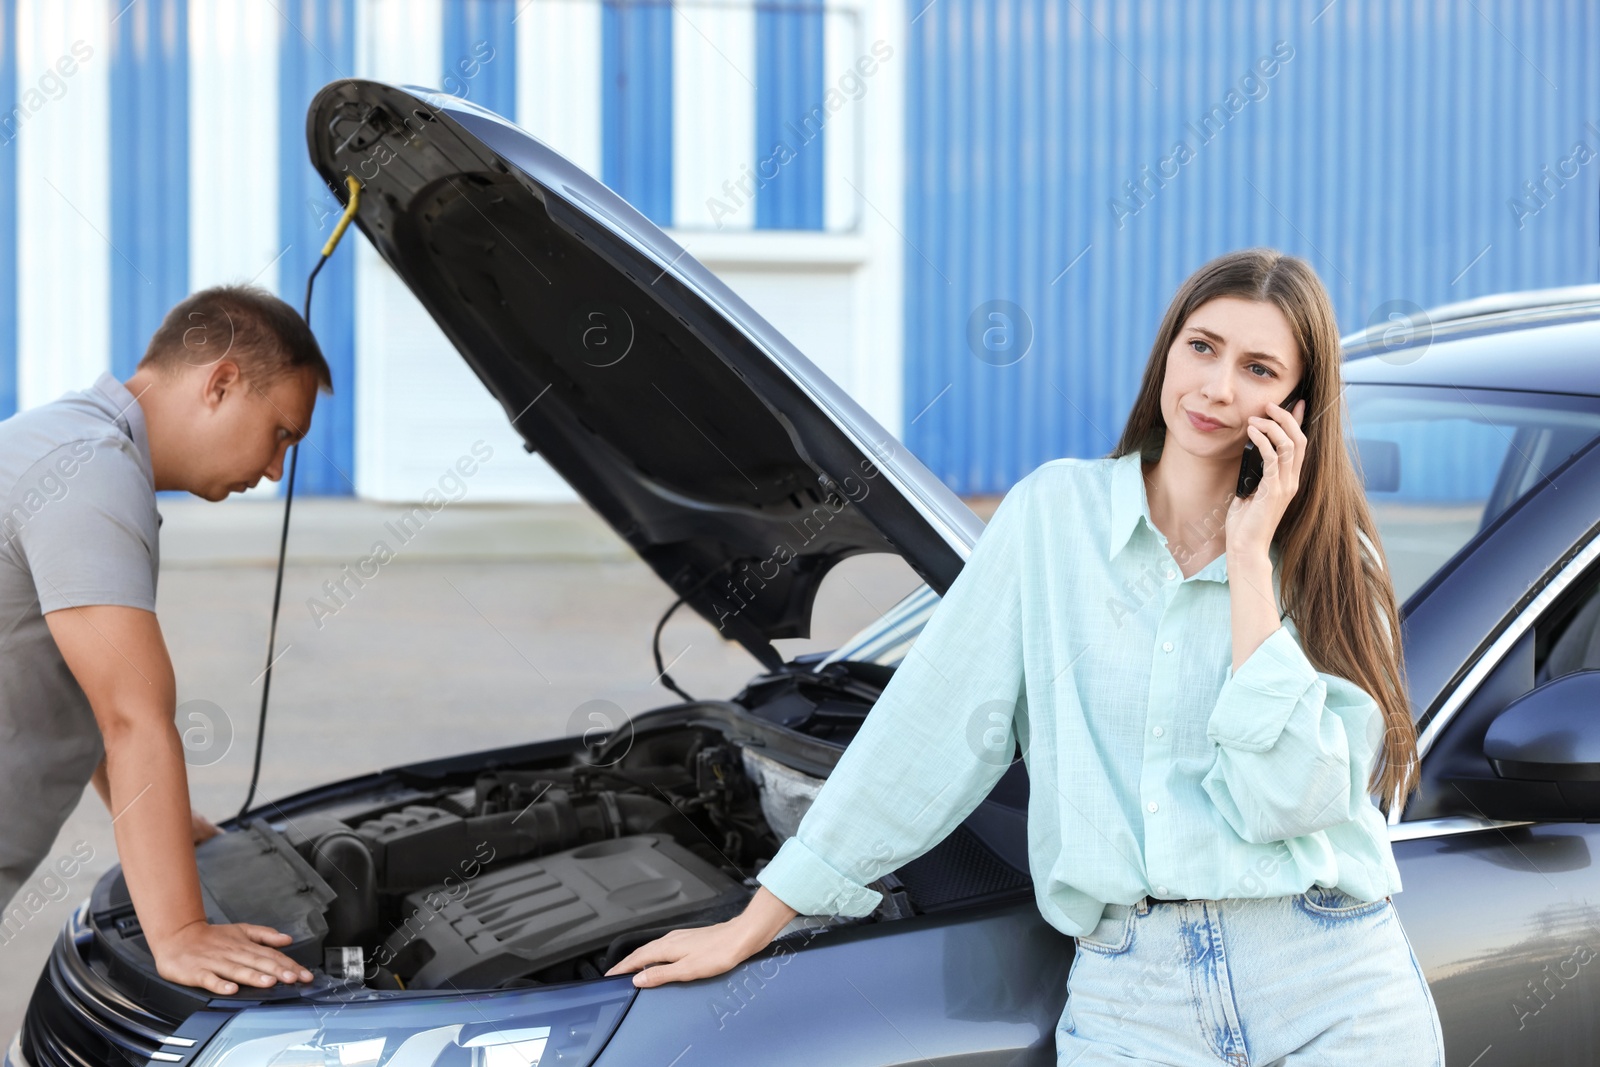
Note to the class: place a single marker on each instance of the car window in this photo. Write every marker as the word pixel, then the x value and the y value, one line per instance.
pixel 1563 638
pixel 1567 636
pixel 1439 465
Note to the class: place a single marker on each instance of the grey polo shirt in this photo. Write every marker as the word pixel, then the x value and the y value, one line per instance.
pixel 78 526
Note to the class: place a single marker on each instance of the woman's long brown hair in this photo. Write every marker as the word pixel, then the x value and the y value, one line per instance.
pixel 1340 597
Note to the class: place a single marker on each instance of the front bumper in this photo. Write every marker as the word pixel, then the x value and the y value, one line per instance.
pixel 77 1018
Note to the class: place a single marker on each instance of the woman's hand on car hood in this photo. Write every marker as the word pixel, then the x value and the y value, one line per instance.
pixel 704 951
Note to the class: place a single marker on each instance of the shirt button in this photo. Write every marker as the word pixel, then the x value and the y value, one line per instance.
pixel 1171 574
pixel 1161 890
pixel 1167 647
pixel 1158 731
pixel 1150 807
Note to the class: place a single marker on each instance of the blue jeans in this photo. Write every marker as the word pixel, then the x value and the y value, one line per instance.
pixel 1321 979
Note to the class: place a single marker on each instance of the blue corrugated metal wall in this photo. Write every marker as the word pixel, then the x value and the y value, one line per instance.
pixel 149 173
pixel 480 53
pixel 1388 144
pixel 148 144
pixel 8 211
pixel 789 113
pixel 317 46
pixel 636 104
pixel 1067 166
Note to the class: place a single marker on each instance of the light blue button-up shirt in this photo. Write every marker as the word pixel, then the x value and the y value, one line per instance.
pixel 1155 768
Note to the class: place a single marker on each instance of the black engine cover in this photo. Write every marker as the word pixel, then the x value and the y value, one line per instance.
pixel 483 931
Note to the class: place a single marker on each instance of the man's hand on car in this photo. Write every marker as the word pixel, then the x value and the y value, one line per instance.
pixel 221 958
pixel 132 694
pixel 202 828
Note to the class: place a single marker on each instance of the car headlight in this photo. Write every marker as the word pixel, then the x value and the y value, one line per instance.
pixel 566 1025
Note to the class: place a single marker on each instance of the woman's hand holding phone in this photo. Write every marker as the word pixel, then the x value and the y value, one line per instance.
pixel 1281 443
pixel 1250 469
pixel 704 951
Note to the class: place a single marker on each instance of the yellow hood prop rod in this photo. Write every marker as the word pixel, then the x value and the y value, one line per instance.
pixel 352 205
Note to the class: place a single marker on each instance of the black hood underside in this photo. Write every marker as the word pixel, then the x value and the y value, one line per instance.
pixel 723 457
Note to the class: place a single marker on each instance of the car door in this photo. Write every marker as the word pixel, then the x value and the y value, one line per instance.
pixel 1502 906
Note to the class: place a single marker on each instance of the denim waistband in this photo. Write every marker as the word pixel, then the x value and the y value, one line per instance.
pixel 1143 906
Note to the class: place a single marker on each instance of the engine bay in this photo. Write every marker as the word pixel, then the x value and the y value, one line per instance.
pixel 504 876
pixel 523 879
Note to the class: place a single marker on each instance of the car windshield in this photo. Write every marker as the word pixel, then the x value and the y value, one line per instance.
pixel 1440 465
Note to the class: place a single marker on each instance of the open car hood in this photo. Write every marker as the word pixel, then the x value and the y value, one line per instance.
pixel 736 469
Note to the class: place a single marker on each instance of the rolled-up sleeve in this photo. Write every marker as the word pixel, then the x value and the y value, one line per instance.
pixel 1294 746
pixel 88 536
pixel 936 741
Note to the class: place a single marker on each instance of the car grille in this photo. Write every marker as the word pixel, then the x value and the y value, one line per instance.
pixel 79 1019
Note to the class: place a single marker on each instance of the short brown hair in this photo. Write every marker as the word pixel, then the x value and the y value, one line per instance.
pixel 245 323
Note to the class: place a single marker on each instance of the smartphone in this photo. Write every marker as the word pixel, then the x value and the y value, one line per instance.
pixel 1250 465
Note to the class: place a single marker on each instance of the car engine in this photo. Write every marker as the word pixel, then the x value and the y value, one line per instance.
pixel 520 876
pixel 495 873
pixel 525 872
pixel 527 876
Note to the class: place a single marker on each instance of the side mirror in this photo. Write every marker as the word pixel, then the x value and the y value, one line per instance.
pixel 1545 748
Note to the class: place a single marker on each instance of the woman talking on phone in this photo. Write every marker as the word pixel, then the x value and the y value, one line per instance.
pixel 1194 640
